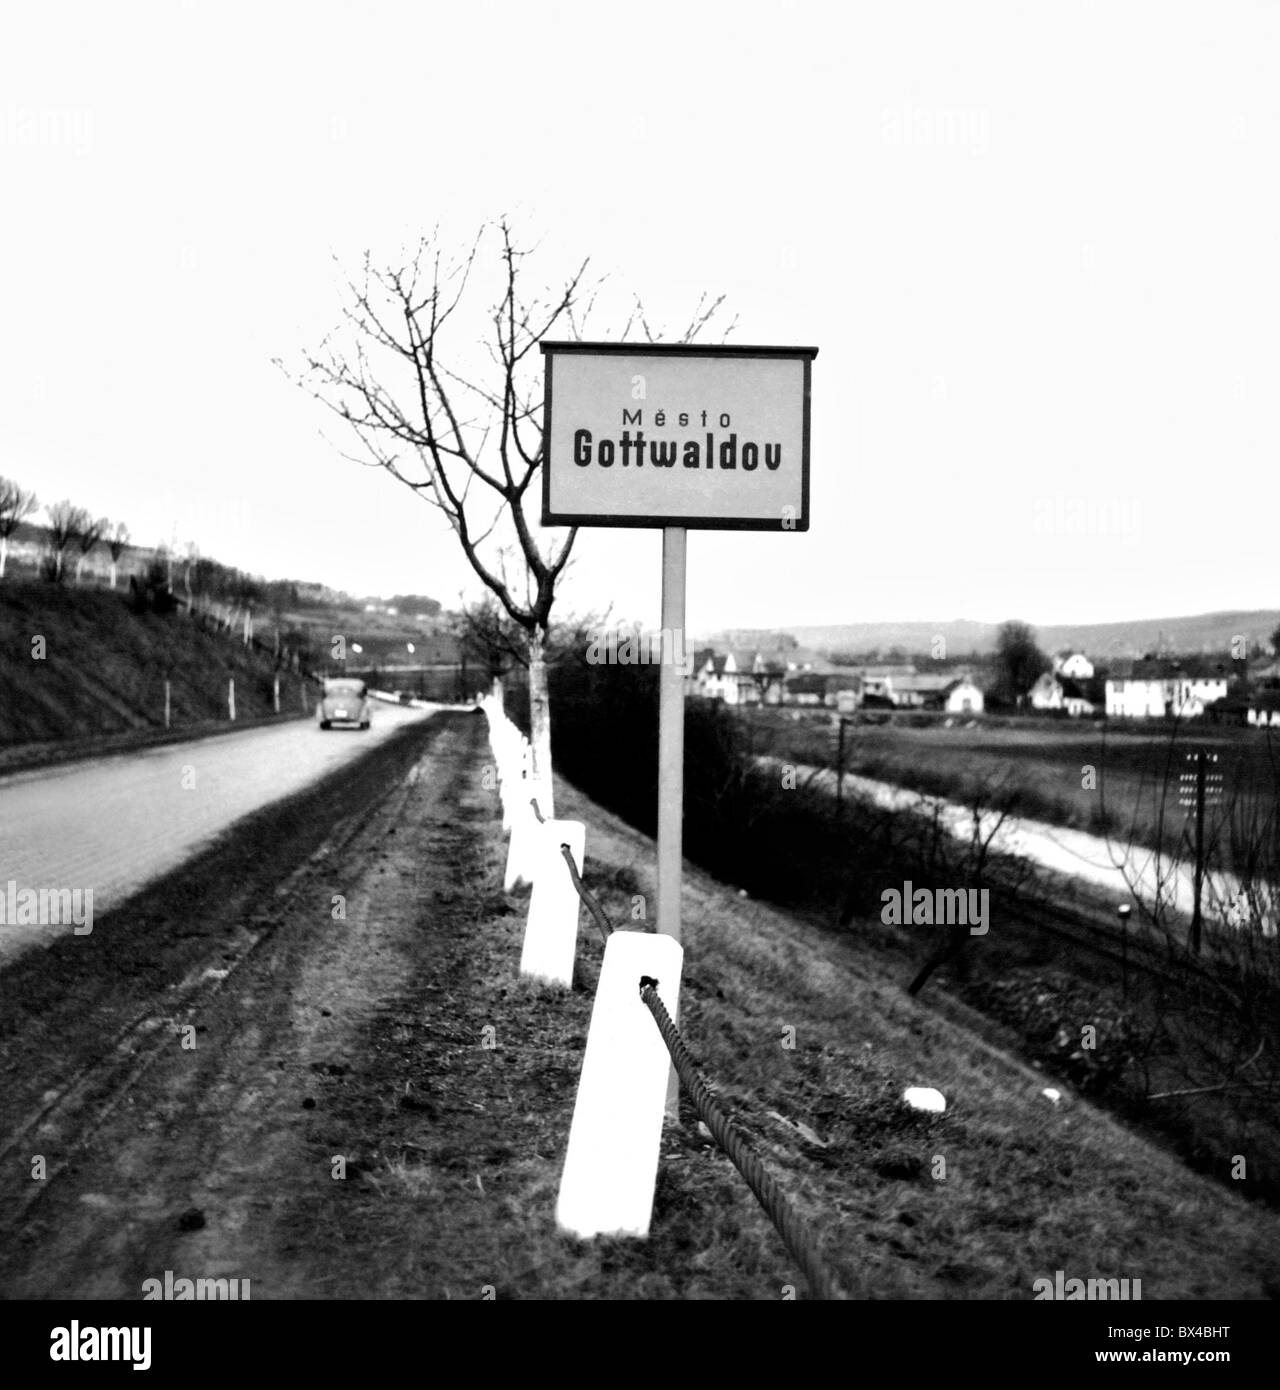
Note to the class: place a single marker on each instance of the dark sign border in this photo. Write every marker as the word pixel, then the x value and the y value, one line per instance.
pixel 701 523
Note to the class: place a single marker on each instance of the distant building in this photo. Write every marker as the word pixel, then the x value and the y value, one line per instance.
pixel 701 669
pixel 1154 688
pixel 746 665
pixel 1053 693
pixel 713 682
pixel 879 681
pixel 919 692
pixel 1263 710
pixel 964 697
pixel 1046 693
pixel 1080 699
pixel 1074 665
pixel 729 678
pixel 799 677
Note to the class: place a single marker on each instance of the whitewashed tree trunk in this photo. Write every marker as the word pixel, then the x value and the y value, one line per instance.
pixel 4 553
pixel 540 721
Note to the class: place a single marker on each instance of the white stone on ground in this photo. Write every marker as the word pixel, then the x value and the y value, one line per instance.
pixel 925 1098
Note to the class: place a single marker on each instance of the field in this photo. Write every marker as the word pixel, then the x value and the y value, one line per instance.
pixel 1122 783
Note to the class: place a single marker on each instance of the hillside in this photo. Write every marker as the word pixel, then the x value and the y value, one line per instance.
pixel 80 663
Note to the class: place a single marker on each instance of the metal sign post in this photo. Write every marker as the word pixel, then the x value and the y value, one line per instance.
pixel 671 751
pixel 675 436
pixel 671 731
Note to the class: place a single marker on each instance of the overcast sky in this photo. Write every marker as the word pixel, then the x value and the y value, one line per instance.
pixel 1037 247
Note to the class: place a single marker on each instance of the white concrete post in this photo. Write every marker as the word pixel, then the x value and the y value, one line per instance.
pixel 510 780
pixel 551 933
pixel 504 745
pixel 522 848
pixel 611 1164
pixel 231 698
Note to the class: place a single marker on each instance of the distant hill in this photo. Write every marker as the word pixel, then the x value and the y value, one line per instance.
pixel 1203 633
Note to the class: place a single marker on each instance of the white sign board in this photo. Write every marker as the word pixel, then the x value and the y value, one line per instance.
pixel 676 435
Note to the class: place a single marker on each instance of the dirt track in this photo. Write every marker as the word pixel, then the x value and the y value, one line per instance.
pixel 220 1159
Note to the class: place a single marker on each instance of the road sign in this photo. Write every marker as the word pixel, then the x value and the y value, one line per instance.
pixel 676 435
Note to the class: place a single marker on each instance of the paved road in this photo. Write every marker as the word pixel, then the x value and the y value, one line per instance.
pixel 113 824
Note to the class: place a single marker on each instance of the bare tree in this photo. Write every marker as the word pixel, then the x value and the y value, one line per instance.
pixel 66 522
pixel 976 859
pixel 469 444
pixel 490 635
pixel 1225 1038
pixel 117 540
pixel 16 504
pixel 87 537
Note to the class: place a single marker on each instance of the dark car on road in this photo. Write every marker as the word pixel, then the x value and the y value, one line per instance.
pixel 344 701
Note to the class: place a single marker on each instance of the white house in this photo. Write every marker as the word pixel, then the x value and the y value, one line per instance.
pixel 963 697
pixel 1074 665
pixel 710 679
pixel 700 671
pixel 731 677
pixel 1052 693
pixel 1135 699
pixel 1157 688
pixel 728 682
pixel 1046 693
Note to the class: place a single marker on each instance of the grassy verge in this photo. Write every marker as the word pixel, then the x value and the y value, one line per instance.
pixel 977 1203
pixel 1174 1051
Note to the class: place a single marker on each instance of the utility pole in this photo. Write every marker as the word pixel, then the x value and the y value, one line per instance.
pixel 840 768
pixel 1198 789
pixel 1124 909
pixel 1195 914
